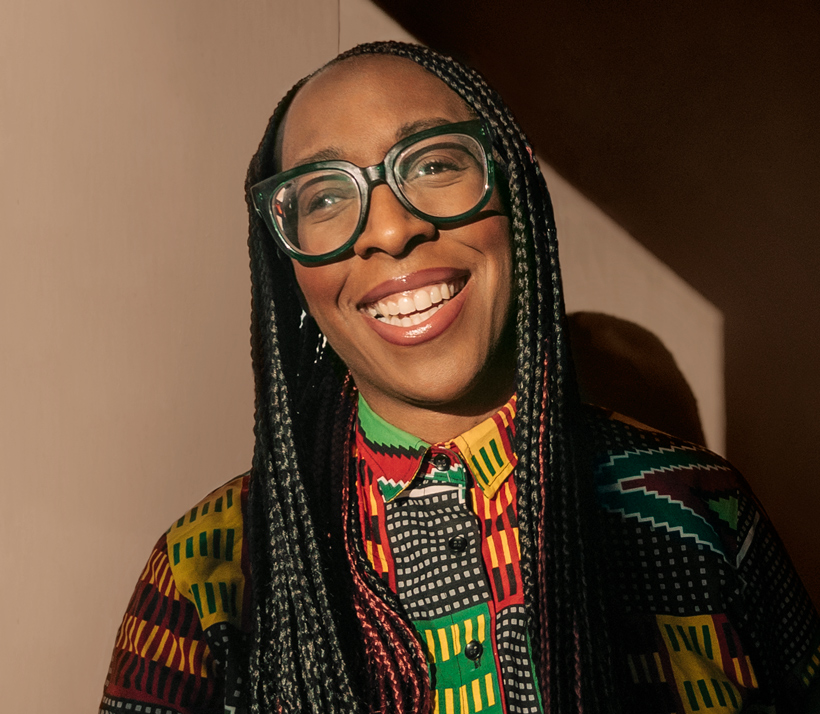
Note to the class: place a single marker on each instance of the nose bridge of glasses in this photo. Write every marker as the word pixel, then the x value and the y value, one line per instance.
pixel 375 175
pixel 391 223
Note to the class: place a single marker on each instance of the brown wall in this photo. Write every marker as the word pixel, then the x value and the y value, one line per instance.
pixel 605 270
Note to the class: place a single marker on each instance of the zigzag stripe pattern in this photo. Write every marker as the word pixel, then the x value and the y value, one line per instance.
pixel 631 484
pixel 392 451
pixel 160 652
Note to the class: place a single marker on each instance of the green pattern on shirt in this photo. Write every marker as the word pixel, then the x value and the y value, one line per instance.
pixel 462 686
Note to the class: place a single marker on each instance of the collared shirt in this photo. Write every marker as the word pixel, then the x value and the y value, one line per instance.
pixel 707 612
pixel 440 526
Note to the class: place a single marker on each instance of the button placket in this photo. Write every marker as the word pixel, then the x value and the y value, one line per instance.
pixel 457 543
pixel 473 651
pixel 442 462
pixel 444 466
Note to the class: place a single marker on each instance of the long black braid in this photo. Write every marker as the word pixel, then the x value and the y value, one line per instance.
pixel 359 652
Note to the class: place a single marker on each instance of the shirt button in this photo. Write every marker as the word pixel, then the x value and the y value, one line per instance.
pixel 457 543
pixel 473 650
pixel 442 462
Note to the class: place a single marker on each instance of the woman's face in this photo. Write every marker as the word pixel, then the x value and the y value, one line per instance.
pixel 455 357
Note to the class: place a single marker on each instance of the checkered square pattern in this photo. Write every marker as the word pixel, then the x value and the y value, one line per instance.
pixel 516 666
pixel 655 571
pixel 433 579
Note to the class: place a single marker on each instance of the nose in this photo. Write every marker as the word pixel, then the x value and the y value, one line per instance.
pixel 390 227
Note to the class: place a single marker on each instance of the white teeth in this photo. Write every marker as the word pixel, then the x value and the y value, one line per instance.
pixel 406 305
pixel 422 300
pixel 408 310
pixel 428 313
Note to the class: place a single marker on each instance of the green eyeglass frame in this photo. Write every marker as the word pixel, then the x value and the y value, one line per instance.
pixel 366 178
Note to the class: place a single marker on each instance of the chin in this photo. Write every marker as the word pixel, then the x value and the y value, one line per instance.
pixel 455 390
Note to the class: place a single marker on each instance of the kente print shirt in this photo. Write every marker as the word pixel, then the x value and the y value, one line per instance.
pixel 707 613
pixel 439 525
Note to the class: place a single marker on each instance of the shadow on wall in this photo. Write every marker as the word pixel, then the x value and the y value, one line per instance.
pixel 624 367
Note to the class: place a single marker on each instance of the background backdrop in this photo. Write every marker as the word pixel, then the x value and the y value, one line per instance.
pixel 125 382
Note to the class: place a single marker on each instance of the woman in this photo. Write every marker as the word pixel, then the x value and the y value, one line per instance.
pixel 432 521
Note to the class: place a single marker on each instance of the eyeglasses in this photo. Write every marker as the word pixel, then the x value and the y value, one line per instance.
pixel 317 211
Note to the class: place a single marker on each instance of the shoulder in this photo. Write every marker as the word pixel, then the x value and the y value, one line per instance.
pixel 647 476
pixel 689 546
pixel 207 552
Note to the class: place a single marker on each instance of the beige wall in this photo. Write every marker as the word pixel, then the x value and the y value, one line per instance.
pixel 125 130
pixel 606 270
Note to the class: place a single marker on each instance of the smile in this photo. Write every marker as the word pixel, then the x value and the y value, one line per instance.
pixel 410 308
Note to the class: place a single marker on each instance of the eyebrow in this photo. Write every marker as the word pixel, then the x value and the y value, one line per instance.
pixel 414 127
pixel 334 153
pixel 330 153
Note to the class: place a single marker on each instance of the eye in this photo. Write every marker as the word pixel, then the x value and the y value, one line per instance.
pixel 435 166
pixel 324 198
pixel 432 165
pixel 440 164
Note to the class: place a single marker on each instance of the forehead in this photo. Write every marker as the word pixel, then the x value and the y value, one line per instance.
pixel 359 107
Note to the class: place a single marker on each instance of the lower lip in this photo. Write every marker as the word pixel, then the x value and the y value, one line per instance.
pixel 425 331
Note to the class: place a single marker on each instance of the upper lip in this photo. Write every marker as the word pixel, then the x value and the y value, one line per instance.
pixel 412 281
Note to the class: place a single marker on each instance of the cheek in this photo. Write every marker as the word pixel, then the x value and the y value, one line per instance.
pixel 499 251
pixel 502 301
pixel 320 287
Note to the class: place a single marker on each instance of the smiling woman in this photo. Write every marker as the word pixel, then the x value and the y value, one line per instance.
pixel 433 521
pixel 418 378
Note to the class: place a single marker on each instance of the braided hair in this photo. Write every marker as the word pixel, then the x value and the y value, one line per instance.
pixel 329 635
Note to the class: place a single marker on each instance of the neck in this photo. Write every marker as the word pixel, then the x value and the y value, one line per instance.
pixel 437 422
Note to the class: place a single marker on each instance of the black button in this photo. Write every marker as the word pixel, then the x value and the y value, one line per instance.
pixel 458 543
pixel 473 650
pixel 442 462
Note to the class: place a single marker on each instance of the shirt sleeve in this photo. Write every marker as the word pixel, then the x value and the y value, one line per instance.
pixel 776 613
pixel 700 579
pixel 161 659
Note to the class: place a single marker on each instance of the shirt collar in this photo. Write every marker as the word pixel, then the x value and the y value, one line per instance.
pixel 396 457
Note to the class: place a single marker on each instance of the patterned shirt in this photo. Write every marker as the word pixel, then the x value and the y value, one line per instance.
pixel 440 526
pixel 706 611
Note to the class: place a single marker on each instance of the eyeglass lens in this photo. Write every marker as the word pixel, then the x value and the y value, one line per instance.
pixel 441 177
